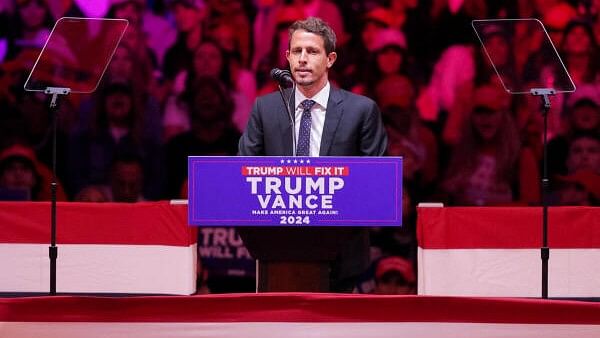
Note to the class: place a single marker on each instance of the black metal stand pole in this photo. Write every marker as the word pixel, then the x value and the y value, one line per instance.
pixel 545 94
pixel 53 249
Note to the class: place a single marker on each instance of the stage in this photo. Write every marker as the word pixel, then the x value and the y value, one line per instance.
pixel 295 315
pixel 149 248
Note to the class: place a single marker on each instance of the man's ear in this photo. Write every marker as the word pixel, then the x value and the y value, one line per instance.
pixel 331 59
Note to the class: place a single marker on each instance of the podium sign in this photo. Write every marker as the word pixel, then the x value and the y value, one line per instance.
pixel 295 191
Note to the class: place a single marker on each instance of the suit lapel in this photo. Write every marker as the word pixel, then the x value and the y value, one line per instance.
pixel 333 115
pixel 285 125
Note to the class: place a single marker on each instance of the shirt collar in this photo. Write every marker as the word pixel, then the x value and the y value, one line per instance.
pixel 320 98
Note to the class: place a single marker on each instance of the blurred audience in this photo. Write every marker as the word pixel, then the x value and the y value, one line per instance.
pixel 210 61
pixel 116 128
pixel 212 131
pixel 488 165
pixel 582 116
pixel 189 18
pixel 184 77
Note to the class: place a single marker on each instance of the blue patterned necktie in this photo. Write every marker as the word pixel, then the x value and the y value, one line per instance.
pixel 303 147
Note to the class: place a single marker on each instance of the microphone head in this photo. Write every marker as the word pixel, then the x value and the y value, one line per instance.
pixel 282 76
pixel 275 73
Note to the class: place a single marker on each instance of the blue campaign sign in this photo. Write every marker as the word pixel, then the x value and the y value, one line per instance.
pixel 295 191
pixel 223 253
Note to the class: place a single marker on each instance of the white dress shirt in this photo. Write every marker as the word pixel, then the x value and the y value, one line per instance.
pixel 317 117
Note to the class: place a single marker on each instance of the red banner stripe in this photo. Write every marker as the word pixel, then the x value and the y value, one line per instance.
pixel 295 171
pixel 507 227
pixel 154 223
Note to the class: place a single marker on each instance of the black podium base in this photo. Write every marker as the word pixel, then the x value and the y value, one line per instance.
pixel 294 259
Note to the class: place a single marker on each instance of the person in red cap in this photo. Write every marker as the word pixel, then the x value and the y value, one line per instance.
pixel 21 171
pixel 394 276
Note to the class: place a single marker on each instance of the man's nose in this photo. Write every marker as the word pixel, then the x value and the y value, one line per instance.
pixel 303 56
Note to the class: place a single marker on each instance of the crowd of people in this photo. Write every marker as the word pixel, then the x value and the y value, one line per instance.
pixel 184 77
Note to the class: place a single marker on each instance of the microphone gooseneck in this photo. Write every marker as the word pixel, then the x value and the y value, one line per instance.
pixel 284 79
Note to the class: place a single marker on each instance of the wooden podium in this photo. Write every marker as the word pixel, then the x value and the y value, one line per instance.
pixel 294 259
pixel 297 216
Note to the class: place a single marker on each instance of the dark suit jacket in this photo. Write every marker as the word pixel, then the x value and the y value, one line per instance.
pixel 353 127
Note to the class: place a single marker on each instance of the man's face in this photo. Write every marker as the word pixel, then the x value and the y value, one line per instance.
pixel 187 18
pixel 586 117
pixel 577 41
pixel 121 65
pixel 131 12
pixel 127 181
pixel 208 60
pixel 309 62
pixel 487 122
pixel 389 60
pixel 118 107
pixel 584 154
pixel 208 106
pixel 498 48
pixel 32 13
pixel 18 175
pixel 369 34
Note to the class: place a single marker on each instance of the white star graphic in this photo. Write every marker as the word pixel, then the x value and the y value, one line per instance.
pixel 295 161
pixel 282 161
pixel 289 161
pixel 301 161
pixel 307 161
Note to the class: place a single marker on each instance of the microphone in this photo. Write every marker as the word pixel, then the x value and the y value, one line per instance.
pixel 284 79
pixel 282 76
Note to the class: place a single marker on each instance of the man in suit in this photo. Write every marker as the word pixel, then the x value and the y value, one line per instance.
pixel 343 123
pixel 328 122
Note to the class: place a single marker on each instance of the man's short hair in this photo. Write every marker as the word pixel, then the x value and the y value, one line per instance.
pixel 315 26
